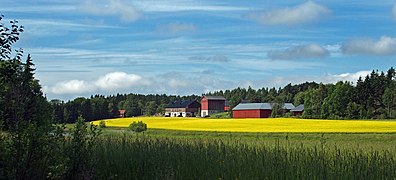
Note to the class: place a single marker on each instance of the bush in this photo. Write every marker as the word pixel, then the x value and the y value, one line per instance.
pixel 222 115
pixel 102 124
pixel 138 126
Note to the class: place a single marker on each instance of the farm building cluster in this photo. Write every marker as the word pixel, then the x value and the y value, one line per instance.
pixel 216 104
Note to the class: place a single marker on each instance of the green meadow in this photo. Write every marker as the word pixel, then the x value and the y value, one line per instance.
pixel 171 154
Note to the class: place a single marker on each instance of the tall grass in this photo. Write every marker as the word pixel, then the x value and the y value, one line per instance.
pixel 143 157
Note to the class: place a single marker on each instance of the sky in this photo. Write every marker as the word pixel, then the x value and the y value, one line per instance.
pixel 183 47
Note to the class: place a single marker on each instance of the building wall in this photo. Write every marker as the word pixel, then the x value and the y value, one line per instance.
pixel 175 109
pixel 216 105
pixel 204 113
pixel 204 104
pixel 297 113
pixel 255 113
pixel 265 113
pixel 185 112
pixel 177 114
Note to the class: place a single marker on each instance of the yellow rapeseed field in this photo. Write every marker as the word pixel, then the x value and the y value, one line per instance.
pixel 258 125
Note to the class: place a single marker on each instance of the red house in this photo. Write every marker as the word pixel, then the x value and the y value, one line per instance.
pixel 211 105
pixel 256 110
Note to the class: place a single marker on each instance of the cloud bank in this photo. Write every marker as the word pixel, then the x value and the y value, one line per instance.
pixel 385 46
pixel 302 14
pixel 299 52
pixel 121 82
pixel 110 82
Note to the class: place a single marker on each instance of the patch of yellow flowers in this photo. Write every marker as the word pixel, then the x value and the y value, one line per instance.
pixel 258 125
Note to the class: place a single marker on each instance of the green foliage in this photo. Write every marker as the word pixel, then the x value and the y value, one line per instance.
pixel 80 162
pixel 27 135
pixel 102 124
pixel 139 126
pixel 223 115
pixel 389 99
pixel 150 108
pixel 30 146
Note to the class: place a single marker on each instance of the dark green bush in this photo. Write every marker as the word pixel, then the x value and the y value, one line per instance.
pixel 138 126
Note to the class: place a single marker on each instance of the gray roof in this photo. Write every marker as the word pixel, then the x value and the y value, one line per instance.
pixel 288 106
pixel 298 108
pixel 249 106
pixel 267 106
pixel 215 97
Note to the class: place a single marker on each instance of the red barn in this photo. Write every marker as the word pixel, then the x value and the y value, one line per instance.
pixel 211 105
pixel 252 110
pixel 256 110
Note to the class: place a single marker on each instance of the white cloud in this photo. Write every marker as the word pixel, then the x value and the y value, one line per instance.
pixel 394 11
pixel 72 87
pixel 178 28
pixel 351 77
pixel 110 82
pixel 126 11
pixel 117 80
pixel 304 13
pixel 298 52
pixel 281 81
pixel 384 46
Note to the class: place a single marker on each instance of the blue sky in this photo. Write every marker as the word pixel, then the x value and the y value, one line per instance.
pixel 185 47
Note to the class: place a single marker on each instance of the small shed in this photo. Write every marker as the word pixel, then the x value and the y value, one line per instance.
pixel 298 111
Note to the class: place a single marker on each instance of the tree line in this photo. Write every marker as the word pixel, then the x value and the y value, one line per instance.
pixel 372 97
pixel 101 107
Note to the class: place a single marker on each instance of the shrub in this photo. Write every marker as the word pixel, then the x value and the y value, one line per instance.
pixel 138 126
pixel 222 115
pixel 102 124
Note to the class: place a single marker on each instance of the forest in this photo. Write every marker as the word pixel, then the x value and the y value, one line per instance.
pixel 371 97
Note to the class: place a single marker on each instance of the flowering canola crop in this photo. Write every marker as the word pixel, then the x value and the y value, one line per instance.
pixel 257 125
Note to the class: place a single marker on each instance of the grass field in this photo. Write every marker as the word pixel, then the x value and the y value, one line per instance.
pixel 280 148
pixel 288 125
